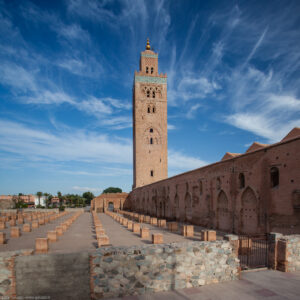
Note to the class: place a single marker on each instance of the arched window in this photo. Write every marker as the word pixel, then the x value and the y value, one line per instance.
pixel 147 70
pixel 153 94
pixel 242 180
pixel 274 176
pixel 153 110
pixel 151 141
pixel 151 173
pixel 148 93
pixel 218 183
pixel 151 130
pixel 149 110
pixel 152 70
pixel 200 187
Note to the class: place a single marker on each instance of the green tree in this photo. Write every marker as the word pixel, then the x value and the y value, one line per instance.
pixel 48 200
pixel 39 194
pixel 89 196
pixel 112 190
pixel 59 195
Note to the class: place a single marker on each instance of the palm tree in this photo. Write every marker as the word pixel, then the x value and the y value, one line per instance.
pixel 39 194
pixel 46 197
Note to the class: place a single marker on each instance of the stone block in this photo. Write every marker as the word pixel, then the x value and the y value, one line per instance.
pixel 136 227
pixel 157 238
pixel 147 219
pixel 172 226
pixel 64 227
pixel 20 221
pixel 129 225
pixel 15 232
pixel 2 238
pixel 12 222
pixel 211 235
pixel 188 230
pixel 203 235
pixel 41 221
pixel 125 222
pixel 52 236
pixel 162 223
pixel 59 230
pixel 2 225
pixel 35 224
pixel 100 231
pixel 103 240
pixel 144 232
pixel 153 221
pixel 41 245
pixel 26 228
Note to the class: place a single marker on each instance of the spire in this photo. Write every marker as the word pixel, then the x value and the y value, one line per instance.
pixel 148 45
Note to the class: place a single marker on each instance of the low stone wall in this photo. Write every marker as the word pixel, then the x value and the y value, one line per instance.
pixel 120 271
pixel 7 272
pixel 75 209
pixel 288 258
pixel 30 210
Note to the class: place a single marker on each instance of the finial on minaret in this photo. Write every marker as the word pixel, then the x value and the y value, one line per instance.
pixel 148 45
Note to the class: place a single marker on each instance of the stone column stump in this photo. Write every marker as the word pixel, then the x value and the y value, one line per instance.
pixel 12 222
pixel 52 236
pixel 2 225
pixel 41 245
pixel 26 228
pixel 129 225
pixel 162 223
pixel 144 233
pixel 136 227
pixel 188 230
pixel 35 224
pixel 2 238
pixel 157 238
pixel 103 240
pixel 172 226
pixel 153 221
pixel 59 230
pixel 15 232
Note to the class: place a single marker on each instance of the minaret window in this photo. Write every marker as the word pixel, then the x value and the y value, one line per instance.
pixel 151 173
pixel 151 141
pixel 151 130
pixel 152 70
pixel 147 70
pixel 149 110
pixel 153 110
pixel 153 94
pixel 148 93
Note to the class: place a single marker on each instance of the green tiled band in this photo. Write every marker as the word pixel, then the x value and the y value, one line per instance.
pixel 150 55
pixel 149 79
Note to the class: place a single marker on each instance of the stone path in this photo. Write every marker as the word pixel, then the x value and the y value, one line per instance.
pixel 267 284
pixel 119 235
pixel 79 237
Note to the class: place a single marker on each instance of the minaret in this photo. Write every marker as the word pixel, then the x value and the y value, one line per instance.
pixel 150 133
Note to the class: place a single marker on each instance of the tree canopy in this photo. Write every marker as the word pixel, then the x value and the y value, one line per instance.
pixel 112 190
pixel 89 196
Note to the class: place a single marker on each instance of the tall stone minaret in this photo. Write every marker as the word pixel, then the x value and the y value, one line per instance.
pixel 150 133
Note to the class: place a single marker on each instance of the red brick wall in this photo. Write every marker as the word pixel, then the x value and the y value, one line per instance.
pixel 211 196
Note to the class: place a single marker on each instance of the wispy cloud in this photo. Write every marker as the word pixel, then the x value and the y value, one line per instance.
pixel 86 189
pixel 77 145
pixel 179 162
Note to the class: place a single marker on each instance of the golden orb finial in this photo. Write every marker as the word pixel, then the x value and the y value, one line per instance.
pixel 148 45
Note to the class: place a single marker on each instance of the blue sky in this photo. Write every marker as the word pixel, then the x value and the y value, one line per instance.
pixel 66 75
